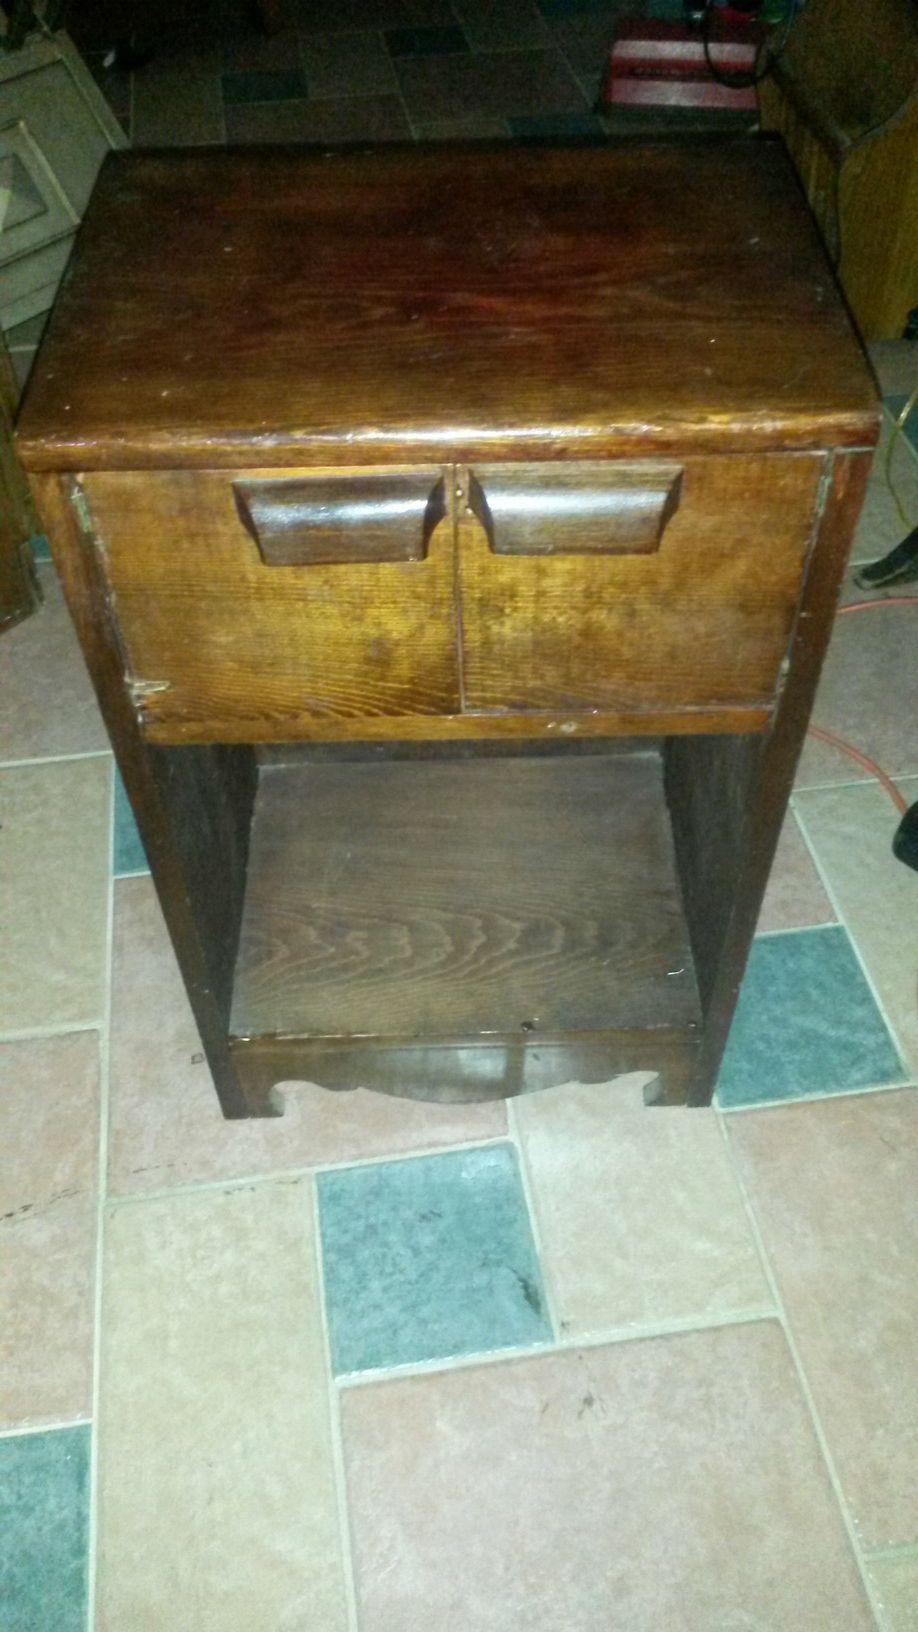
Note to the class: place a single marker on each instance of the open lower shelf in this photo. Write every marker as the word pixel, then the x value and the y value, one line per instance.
pixel 490 903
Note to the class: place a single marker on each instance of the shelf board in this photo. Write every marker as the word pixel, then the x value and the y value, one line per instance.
pixel 417 902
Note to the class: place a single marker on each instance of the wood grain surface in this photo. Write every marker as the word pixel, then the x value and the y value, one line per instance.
pixel 234 307
pixel 574 506
pixel 467 1072
pixel 348 516
pixel 704 621
pixel 472 922
pixel 222 644
pixel 521 898
pixel 728 797
pixel 239 642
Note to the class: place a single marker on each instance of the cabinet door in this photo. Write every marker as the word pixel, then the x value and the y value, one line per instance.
pixel 634 586
pixel 267 605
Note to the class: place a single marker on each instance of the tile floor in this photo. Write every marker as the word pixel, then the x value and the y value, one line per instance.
pixel 383 1365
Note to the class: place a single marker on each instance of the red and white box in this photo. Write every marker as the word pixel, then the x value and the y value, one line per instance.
pixel 662 64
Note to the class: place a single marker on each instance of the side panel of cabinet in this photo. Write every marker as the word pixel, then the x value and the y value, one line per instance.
pixel 728 796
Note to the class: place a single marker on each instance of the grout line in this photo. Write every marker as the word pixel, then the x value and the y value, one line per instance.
pixel 570 1343
pixel 323 97
pixel 900 1549
pixel 898 777
pixel 101 1194
pixel 398 92
pixel 55 759
pixel 44 1427
pixel 813 1099
pixel 829 888
pixel 795 929
pixel 333 1404
pixel 543 1258
pixel 39 1034
pixel 847 782
pixel 865 781
pixel 412 125
pixel 590 93
pixel 803 1380
pixel 287 1174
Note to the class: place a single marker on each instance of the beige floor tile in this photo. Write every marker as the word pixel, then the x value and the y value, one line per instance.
pixel 833 1185
pixel 55 849
pixel 217 1495
pixel 868 695
pixel 895 1581
pixel 795 898
pixel 166 1127
pixel 49 1136
pixel 851 830
pixel 671 1485
pixel 880 525
pixel 640 1217
pixel 896 364
pixel 49 706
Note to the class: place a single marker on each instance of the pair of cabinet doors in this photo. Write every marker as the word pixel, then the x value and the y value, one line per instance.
pixel 268 605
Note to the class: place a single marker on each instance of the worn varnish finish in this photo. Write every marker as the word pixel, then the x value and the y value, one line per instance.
pixel 702 622
pixel 573 506
pixel 728 801
pixel 281 307
pixel 429 899
pixel 356 517
pixel 423 614
pixel 223 644
pixel 401 501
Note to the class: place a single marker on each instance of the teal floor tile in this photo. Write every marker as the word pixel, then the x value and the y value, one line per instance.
pixel 556 127
pixel 425 42
pixel 429 1258
pixel 265 85
pixel 128 852
pixel 560 10
pixel 806 1023
pixel 41 549
pixel 44 1525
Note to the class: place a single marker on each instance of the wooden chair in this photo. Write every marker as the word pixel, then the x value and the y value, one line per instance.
pixel 845 98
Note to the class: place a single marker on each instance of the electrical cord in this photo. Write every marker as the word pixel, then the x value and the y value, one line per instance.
pixel 883 600
pixel 898 429
pixel 864 760
pixel 866 763
pixel 740 79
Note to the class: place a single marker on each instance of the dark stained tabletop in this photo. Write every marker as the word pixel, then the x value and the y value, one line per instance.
pixel 276 305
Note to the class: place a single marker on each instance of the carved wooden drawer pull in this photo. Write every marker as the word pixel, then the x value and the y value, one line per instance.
pixel 575 508
pixel 314 520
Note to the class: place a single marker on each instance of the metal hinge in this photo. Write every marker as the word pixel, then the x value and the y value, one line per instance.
pixel 140 689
